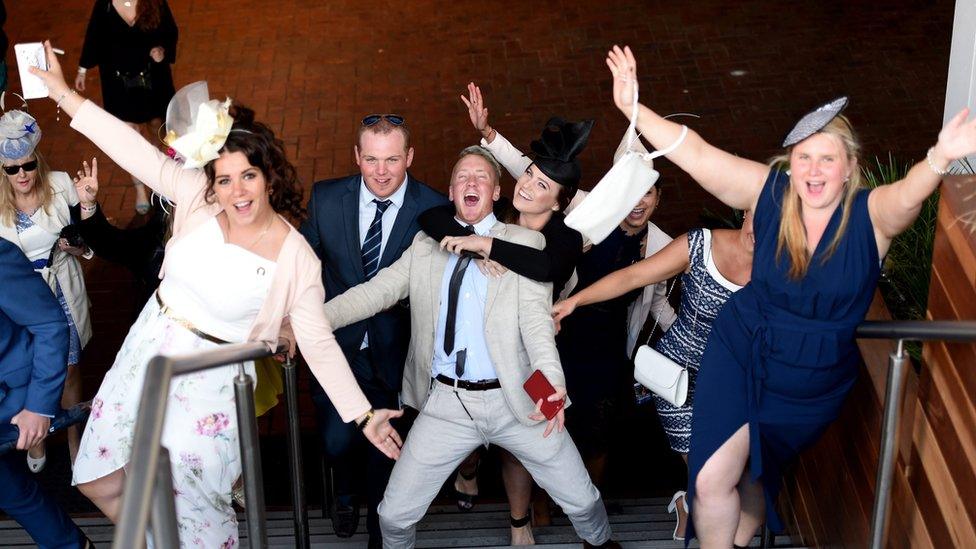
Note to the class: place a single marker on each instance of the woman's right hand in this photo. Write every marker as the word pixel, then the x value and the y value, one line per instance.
pixel 477 110
pixel 80 82
pixel 561 310
pixel 382 434
pixel 623 66
pixel 53 77
pixel 86 183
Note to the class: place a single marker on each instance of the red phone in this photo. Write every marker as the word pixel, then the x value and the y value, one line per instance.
pixel 538 387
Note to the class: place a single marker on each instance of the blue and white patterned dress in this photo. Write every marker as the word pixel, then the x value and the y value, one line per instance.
pixel 704 293
pixel 25 224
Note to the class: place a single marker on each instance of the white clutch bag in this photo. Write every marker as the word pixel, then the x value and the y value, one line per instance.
pixel 628 180
pixel 661 375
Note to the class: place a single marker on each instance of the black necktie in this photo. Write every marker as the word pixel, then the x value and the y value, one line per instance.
pixel 373 240
pixel 453 292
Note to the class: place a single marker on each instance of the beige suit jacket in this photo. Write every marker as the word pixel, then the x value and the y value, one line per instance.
pixel 519 331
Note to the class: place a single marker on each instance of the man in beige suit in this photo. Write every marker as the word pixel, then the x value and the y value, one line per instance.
pixel 474 341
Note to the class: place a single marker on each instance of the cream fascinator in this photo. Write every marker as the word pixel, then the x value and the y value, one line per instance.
pixel 19 135
pixel 197 126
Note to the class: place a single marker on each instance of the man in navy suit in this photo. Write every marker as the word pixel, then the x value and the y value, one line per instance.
pixel 358 225
pixel 33 354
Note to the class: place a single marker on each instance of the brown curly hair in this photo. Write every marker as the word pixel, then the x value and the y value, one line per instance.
pixel 267 153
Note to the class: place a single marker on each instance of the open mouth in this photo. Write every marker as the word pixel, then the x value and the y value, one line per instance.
pixel 471 199
pixel 524 195
pixel 636 213
pixel 815 187
pixel 243 207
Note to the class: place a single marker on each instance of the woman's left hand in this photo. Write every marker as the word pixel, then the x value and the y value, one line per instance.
pixel 76 251
pixel 491 268
pixel 157 54
pixel 86 182
pixel 957 139
pixel 382 434
pixel 471 243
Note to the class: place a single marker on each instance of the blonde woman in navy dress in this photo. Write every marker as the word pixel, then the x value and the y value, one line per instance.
pixel 782 357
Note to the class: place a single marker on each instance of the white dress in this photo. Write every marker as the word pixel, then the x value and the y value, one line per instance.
pixel 219 288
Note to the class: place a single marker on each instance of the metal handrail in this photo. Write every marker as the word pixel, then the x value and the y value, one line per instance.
pixel 902 331
pixel 149 477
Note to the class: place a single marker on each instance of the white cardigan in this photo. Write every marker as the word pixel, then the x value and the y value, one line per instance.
pixel 66 270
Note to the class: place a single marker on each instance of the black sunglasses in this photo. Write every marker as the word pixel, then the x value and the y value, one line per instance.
pixel 27 167
pixel 372 119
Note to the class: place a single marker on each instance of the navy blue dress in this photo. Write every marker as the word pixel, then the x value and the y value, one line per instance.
pixel 782 356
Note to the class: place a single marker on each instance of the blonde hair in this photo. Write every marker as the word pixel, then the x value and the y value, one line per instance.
pixel 792 237
pixel 8 206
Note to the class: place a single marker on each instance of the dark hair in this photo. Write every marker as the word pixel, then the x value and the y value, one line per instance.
pixel 565 196
pixel 267 153
pixel 148 14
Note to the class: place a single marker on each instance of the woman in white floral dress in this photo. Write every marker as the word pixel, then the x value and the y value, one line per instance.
pixel 234 271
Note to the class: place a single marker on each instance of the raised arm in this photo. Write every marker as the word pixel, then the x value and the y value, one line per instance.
pixel 894 207
pixel 733 180
pixel 670 261
pixel 508 155
pixel 121 143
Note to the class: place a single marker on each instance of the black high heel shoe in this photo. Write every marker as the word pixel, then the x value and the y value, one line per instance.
pixel 465 502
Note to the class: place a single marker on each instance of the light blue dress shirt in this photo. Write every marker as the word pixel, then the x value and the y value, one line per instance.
pixel 367 211
pixel 470 330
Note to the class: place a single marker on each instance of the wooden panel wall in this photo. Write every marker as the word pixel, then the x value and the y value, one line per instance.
pixel 831 491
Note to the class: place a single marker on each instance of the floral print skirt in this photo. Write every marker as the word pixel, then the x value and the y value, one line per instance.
pixel 200 430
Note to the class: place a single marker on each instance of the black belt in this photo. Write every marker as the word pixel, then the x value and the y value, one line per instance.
pixel 483 385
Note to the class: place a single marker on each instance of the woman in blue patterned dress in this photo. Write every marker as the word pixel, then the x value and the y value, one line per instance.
pixel 715 264
pixel 34 207
pixel 782 357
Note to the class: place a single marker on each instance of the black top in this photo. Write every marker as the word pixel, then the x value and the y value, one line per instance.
pixel 555 263
pixel 134 87
pixel 139 249
pixel 592 343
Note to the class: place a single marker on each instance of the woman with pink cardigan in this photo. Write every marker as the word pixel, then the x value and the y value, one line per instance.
pixel 234 270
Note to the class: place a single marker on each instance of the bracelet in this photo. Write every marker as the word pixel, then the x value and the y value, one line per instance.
pixel 82 70
pixel 60 99
pixel 369 416
pixel 932 166
pixel 88 209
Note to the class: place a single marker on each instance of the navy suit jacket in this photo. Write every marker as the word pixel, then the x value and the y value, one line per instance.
pixel 33 338
pixel 332 229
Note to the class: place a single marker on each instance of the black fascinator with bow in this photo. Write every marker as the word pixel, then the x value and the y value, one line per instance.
pixel 556 150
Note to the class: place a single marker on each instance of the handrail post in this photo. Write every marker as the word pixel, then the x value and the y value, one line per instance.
pixel 130 532
pixel 250 460
pixel 164 528
pixel 897 362
pixel 295 450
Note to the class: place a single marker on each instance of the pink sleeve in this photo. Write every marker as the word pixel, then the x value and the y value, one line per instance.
pixel 322 351
pixel 134 154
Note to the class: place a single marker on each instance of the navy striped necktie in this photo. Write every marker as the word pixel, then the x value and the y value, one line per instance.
pixel 374 240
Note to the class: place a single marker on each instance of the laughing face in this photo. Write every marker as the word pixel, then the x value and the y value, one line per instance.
pixel 23 180
pixel 819 169
pixel 240 188
pixel 474 188
pixel 639 216
pixel 535 192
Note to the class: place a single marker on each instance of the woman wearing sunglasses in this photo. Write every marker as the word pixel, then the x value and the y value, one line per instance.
pixel 235 270
pixel 34 208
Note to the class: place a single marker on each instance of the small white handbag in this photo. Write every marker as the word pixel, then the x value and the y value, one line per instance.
pixel 666 378
pixel 628 180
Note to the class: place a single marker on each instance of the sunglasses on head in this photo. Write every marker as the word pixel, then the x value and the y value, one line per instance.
pixel 373 119
pixel 26 166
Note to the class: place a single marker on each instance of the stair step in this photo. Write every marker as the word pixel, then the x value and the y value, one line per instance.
pixel 639 523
